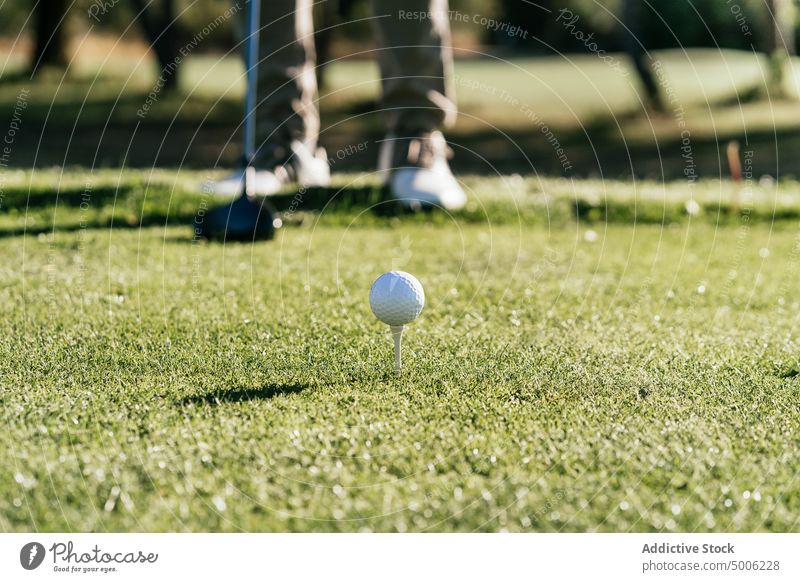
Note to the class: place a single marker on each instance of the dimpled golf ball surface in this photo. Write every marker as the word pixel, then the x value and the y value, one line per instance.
pixel 396 298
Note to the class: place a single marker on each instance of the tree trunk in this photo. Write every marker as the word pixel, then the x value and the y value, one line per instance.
pixel 326 18
pixel 51 38
pixel 780 34
pixel 160 29
pixel 780 44
pixel 632 41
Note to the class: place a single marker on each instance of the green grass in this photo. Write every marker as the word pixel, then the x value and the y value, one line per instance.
pixel 642 378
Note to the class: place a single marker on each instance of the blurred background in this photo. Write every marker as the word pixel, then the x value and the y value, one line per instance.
pixel 615 86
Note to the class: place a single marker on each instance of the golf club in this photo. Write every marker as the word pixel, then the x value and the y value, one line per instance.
pixel 246 218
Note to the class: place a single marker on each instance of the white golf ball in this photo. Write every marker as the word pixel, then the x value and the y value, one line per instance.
pixel 396 298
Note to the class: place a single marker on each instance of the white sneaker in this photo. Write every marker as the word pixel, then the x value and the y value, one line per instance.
pixel 417 172
pixel 310 168
pixel 307 168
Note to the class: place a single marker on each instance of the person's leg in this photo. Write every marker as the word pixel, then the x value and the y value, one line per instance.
pixel 415 58
pixel 287 121
pixel 416 63
pixel 287 85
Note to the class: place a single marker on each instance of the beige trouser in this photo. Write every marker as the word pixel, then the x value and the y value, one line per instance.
pixel 415 59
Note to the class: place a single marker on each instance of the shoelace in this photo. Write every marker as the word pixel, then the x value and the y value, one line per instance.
pixel 424 151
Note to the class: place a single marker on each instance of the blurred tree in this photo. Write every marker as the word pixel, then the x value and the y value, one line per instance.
pixel 327 17
pixel 532 17
pixel 633 41
pixel 780 36
pixel 160 27
pixel 51 38
pixel 780 43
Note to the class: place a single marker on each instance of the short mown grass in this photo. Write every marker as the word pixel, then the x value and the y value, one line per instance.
pixel 592 356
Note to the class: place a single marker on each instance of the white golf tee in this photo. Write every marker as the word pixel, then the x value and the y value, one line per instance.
pixel 397 334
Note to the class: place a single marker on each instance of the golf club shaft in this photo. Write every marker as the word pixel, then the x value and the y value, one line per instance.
pixel 397 334
pixel 251 63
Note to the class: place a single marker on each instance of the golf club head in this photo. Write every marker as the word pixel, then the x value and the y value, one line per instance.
pixel 244 220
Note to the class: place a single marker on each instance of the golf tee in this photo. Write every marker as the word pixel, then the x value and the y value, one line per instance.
pixel 397 334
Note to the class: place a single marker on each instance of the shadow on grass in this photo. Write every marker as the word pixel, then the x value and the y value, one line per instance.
pixel 145 221
pixel 128 207
pixel 21 198
pixel 315 198
pixel 244 394
pixel 319 198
